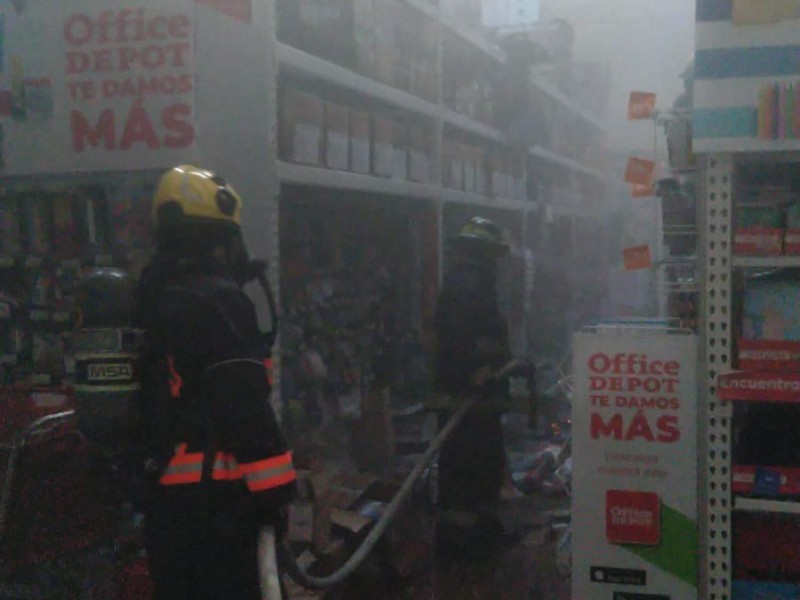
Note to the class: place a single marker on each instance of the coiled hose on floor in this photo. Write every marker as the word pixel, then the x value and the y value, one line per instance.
pixel 312 582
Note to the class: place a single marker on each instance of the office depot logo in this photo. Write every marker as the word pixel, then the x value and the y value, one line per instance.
pixel 633 517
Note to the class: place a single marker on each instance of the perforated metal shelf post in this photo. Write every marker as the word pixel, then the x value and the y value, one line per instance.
pixel 717 207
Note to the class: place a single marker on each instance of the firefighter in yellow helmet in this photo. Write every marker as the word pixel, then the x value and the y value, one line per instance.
pixel 472 342
pixel 209 450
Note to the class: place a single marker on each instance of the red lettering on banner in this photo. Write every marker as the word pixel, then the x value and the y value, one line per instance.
pixel 138 128
pixel 639 428
pixel 84 133
pixel 129 53
pixel 175 119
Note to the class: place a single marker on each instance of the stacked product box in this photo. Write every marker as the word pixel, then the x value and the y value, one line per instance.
pixel 766 563
pixel 337 136
pixel 382 146
pixel 470 167
pixel 762 222
pixel 401 141
pixel 384 48
pixel 301 127
pixel 419 155
pixel 360 143
pixel 453 166
pixel 759 231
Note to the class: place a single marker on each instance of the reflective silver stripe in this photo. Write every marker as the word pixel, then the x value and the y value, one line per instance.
pixel 186 468
pixel 263 474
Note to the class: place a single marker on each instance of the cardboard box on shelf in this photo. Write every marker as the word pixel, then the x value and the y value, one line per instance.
pixel 499 176
pixel 481 172
pixel 364 34
pixel 382 146
pixel 453 165
pixel 384 44
pixel 419 156
pixel 301 125
pixel 359 141
pixel 518 186
pixel 468 159
pixel 759 231
pixel 337 136
pixel 400 152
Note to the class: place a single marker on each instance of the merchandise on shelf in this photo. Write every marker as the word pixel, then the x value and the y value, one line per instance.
pixel 382 146
pixel 758 590
pixel 10 239
pixel 791 242
pixel 401 139
pixel 470 167
pixel 759 231
pixel 770 323
pixel 453 161
pixel 302 122
pixel 419 162
pixel 337 136
pixel 766 548
pixel 359 141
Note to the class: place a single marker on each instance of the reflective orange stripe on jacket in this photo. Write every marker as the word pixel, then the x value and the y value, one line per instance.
pixel 269 473
pixel 187 467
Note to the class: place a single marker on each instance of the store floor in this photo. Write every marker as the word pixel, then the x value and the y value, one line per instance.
pixel 402 568
pixel 527 571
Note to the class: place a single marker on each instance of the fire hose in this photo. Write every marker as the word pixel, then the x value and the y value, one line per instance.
pixel 312 582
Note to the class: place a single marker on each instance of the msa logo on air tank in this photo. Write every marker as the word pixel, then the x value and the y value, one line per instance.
pixel 110 372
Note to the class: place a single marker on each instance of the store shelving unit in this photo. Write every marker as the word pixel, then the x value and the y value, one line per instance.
pixel 719 181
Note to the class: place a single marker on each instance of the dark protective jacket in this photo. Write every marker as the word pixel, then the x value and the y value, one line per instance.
pixel 470 333
pixel 205 414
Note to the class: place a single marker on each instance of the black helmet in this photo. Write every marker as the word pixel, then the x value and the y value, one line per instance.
pixel 483 233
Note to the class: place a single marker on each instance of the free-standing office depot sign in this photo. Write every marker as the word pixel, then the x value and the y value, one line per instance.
pixel 634 506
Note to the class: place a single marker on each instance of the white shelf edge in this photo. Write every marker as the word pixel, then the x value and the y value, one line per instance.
pixel 770 506
pixel 766 262
pixel 345 180
pixel 569 163
pixel 291 58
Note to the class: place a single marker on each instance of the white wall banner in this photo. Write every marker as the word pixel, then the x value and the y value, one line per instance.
pixel 87 85
pixel 634 507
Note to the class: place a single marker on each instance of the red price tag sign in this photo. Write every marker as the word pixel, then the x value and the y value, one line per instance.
pixel 636 258
pixel 640 171
pixel 641 106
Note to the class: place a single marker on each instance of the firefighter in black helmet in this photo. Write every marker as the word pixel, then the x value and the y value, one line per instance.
pixel 471 343
pixel 207 439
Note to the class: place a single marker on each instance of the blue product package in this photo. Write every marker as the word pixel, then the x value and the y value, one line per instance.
pixel 760 590
pixel 767 483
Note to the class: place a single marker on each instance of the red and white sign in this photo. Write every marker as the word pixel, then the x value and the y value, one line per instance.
pixel 641 105
pixel 743 480
pixel 640 171
pixel 752 386
pixel 769 355
pixel 633 517
pixel 637 257
pixel 99 85
pixel 758 241
pixel 634 431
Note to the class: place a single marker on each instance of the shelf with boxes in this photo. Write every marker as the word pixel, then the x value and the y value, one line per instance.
pixel 318 177
pixel 753 356
pixel 296 61
pixel 345 133
pixel 568 163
